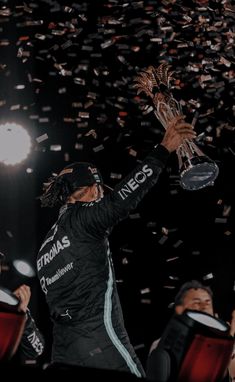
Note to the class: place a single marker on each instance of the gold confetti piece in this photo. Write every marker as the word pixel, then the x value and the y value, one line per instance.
pixel 98 148
pixel 79 81
pixel 42 138
pixel 107 43
pixel 173 277
pixel 66 157
pixel 172 259
pixel 4 42
pixel 19 87
pixel 55 148
pixel 15 107
pixel 178 243
pixel 88 104
pixel 33 23
pixel 196 253
pixel 146 301
pixel 227 210
pixel 163 239
pixel 169 286
pixel 134 216
pixel 34 116
pixel 145 291
pixel 5 12
pixel 62 90
pixel 91 132
pixel 114 175
pixel 43 120
pixel 83 114
pixel 77 104
pixel 125 261
pixel 40 36
pixel 165 230
pixel 78 146
pixel 133 152
pixel 208 276
pixel 221 220
pixel 82 124
pixel 46 108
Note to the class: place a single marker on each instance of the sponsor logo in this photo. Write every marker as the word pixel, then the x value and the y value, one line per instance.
pixel 95 174
pixel 135 182
pixel 56 248
pixel 35 342
pixel 59 273
pixel 45 282
pixel 93 170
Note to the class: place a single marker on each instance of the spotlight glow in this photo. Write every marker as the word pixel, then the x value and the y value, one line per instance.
pixel 15 143
pixel 24 268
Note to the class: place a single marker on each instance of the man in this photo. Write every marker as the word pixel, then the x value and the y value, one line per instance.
pixel 192 295
pixel 32 341
pixel 74 263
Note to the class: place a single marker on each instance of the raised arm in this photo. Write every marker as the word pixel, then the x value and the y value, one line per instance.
pixel 131 190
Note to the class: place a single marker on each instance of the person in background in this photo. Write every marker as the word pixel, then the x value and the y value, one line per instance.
pixel 192 295
pixel 32 342
pixel 74 263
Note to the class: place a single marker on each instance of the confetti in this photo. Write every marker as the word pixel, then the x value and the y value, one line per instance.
pixel 42 138
pixel 70 77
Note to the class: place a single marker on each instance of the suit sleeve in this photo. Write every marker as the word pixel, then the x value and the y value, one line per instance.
pixel 100 216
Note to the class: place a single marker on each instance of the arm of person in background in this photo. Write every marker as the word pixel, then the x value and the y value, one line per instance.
pixel 32 341
pixel 231 367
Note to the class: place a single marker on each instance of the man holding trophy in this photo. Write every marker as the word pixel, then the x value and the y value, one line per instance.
pixel 89 330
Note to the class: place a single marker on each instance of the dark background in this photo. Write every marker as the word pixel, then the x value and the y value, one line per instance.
pixel 78 62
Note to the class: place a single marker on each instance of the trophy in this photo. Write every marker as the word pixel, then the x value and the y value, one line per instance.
pixel 195 168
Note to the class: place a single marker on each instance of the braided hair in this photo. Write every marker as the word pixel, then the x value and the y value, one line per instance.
pixel 73 177
pixel 55 191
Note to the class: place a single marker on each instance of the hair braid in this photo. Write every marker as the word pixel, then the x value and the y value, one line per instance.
pixel 56 190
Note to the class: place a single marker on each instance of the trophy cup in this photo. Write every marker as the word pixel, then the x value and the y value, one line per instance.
pixel 195 168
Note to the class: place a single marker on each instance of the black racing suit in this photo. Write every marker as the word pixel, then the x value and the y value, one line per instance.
pixel 76 273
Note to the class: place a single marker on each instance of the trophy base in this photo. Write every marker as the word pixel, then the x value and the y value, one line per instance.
pixel 198 172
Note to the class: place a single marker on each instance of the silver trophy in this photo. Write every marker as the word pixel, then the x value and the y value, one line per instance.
pixel 196 169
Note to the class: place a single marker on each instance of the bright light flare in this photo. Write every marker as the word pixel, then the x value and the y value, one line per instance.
pixel 15 143
pixel 24 268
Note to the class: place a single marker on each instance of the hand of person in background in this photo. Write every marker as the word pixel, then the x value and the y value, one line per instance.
pixel 232 324
pixel 231 367
pixel 32 342
pixel 176 133
pixel 23 293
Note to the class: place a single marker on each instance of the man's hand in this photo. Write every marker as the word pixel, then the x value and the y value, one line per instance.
pixel 23 293
pixel 232 324
pixel 231 366
pixel 176 133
